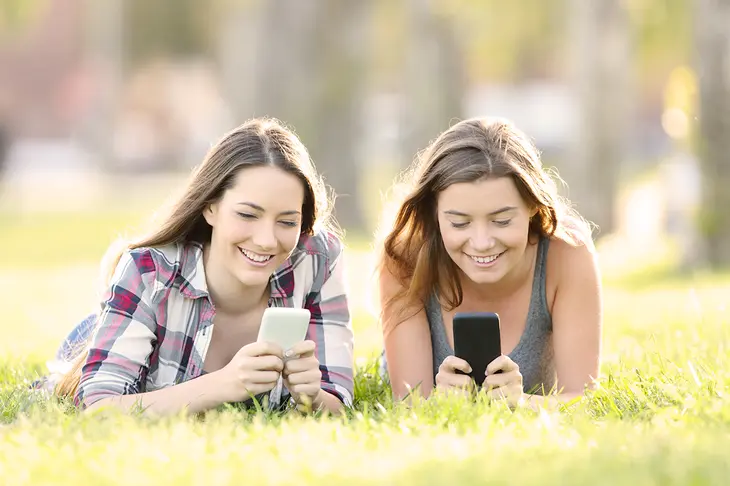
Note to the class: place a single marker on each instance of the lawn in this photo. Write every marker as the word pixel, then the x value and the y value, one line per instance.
pixel 661 414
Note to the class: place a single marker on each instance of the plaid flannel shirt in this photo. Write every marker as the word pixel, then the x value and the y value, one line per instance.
pixel 157 320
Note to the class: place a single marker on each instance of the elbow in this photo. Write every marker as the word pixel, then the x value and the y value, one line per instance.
pixel 94 401
pixel 90 404
pixel 342 394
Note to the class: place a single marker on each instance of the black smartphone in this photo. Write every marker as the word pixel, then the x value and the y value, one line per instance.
pixel 477 341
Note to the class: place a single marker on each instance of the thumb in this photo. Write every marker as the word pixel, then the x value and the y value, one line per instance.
pixel 302 349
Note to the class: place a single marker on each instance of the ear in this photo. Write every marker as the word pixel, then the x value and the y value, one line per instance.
pixel 210 213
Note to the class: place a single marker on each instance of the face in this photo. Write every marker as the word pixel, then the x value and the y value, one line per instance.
pixel 256 224
pixel 484 226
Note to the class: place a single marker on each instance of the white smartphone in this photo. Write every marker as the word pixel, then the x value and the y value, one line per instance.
pixel 285 326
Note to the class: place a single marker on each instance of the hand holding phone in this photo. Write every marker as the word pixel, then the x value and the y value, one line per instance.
pixel 254 369
pixel 287 327
pixel 477 338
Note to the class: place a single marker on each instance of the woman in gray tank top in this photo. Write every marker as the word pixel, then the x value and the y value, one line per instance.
pixel 482 228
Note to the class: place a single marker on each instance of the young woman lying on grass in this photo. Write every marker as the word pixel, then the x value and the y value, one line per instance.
pixel 482 228
pixel 178 326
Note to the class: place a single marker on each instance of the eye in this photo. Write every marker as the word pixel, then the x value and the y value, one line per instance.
pixel 503 222
pixel 290 224
pixel 459 225
pixel 246 215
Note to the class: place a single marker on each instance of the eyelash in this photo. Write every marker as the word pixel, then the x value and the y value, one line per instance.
pixel 501 223
pixel 289 224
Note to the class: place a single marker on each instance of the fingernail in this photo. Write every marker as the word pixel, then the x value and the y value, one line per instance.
pixel 288 353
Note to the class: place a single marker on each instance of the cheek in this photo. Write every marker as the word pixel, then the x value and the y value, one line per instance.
pixel 233 228
pixel 288 238
pixel 519 233
pixel 514 238
pixel 453 240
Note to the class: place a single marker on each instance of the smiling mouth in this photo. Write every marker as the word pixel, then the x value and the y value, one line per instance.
pixel 255 257
pixel 485 260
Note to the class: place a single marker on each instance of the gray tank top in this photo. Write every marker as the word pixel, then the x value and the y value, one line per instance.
pixel 534 352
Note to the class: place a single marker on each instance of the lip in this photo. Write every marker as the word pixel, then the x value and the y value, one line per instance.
pixel 254 262
pixel 485 265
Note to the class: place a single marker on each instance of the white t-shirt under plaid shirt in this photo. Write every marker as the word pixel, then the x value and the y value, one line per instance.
pixel 157 319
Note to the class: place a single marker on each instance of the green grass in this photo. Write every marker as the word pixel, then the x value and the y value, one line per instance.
pixel 661 414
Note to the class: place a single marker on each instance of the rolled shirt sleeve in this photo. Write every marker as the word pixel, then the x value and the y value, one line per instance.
pixel 123 341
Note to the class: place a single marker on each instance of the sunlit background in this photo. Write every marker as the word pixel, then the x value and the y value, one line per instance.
pixel 105 106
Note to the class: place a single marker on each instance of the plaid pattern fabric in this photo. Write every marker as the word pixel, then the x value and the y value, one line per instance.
pixel 157 320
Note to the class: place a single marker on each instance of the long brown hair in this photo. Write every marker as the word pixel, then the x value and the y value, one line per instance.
pixel 257 142
pixel 475 149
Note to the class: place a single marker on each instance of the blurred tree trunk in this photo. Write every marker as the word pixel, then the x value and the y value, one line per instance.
pixel 342 62
pixel 285 74
pixel 238 48
pixel 433 77
pixel 712 30
pixel 105 43
pixel 313 76
pixel 601 67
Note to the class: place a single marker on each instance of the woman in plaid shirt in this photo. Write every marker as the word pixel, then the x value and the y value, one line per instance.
pixel 178 324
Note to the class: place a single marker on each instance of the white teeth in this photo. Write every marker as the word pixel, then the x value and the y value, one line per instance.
pixel 483 260
pixel 255 256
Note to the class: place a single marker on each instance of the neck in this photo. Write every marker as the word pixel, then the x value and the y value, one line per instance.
pixel 509 284
pixel 229 295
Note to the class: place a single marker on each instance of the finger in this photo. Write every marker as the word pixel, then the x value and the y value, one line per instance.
pixel 301 364
pixel 497 393
pixel 310 376
pixel 452 364
pixel 503 379
pixel 263 348
pixel 302 350
pixel 304 389
pixel 502 363
pixel 262 377
pixel 273 363
pixel 451 380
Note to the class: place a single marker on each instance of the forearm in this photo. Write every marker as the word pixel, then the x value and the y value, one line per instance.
pixel 194 396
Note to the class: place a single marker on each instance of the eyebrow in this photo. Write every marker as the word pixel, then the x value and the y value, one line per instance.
pixel 454 212
pixel 259 208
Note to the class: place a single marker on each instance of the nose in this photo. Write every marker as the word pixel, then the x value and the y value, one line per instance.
pixel 482 240
pixel 265 236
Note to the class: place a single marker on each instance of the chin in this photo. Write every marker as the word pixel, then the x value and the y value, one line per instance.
pixel 253 278
pixel 484 278
pixel 253 275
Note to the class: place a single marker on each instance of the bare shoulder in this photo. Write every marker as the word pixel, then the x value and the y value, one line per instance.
pixel 570 265
pixel 388 284
pixel 397 309
pixel 564 255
